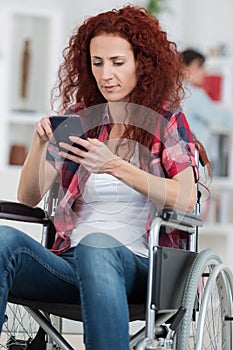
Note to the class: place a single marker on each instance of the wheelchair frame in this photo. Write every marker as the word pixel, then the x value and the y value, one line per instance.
pixel 175 304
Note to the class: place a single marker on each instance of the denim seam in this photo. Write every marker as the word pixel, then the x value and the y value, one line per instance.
pixel 2 292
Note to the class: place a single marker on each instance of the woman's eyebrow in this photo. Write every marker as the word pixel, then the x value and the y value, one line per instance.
pixel 111 58
pixel 97 57
pixel 116 57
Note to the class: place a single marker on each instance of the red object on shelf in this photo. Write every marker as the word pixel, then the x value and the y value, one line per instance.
pixel 17 154
pixel 213 86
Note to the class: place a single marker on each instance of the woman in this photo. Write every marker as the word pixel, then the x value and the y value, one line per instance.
pixel 124 78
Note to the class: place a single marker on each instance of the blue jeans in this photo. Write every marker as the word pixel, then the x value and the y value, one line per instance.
pixel 99 273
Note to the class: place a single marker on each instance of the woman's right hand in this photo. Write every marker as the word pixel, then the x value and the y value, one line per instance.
pixel 37 174
pixel 43 129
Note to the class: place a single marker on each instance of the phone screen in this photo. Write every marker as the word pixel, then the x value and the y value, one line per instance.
pixel 65 126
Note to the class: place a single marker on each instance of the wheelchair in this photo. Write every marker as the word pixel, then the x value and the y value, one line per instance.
pixel 189 296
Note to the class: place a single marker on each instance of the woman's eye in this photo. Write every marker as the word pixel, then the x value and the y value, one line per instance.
pixel 118 63
pixel 97 64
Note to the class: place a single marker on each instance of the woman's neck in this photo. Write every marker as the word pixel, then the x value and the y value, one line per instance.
pixel 117 112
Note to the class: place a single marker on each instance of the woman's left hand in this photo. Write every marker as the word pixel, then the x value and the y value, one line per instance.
pixel 96 159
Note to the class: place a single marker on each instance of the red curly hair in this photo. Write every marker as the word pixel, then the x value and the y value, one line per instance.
pixel 160 68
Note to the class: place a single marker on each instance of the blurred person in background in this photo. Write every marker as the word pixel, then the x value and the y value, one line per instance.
pixel 201 111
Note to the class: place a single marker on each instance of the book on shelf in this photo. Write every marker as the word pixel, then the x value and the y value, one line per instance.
pixel 219 154
pixel 216 208
pixel 213 84
pixel 219 86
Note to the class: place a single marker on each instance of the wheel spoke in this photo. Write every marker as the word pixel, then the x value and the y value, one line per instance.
pixel 203 326
pixel 19 328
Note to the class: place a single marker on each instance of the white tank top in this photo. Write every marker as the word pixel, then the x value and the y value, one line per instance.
pixel 112 207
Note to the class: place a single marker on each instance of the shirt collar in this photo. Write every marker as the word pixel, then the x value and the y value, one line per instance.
pixel 106 115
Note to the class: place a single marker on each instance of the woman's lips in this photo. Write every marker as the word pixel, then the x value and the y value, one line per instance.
pixel 110 87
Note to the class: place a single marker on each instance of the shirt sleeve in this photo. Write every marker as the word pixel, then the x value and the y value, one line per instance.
pixel 202 113
pixel 206 110
pixel 177 148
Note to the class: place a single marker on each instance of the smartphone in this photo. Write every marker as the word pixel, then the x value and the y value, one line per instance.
pixel 65 126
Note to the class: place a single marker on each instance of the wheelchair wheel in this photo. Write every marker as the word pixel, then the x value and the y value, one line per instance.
pixel 209 306
pixel 20 330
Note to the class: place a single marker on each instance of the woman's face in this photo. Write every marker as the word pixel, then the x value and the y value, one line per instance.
pixel 113 66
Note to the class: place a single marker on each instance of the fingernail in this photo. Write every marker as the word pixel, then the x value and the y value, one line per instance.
pixel 73 138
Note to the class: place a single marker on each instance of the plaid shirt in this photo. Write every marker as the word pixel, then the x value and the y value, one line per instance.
pixel 169 156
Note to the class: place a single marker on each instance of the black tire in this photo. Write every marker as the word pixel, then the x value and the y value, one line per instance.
pixel 208 303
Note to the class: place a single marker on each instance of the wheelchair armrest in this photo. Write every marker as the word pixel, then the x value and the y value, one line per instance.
pixel 181 217
pixel 21 212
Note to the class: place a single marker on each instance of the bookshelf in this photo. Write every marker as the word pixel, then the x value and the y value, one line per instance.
pixel 217 211
pixel 30 50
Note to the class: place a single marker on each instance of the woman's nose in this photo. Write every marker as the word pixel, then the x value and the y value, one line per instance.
pixel 107 72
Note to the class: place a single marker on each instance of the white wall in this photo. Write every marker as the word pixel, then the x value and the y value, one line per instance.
pixel 78 11
pixel 207 23
pixel 200 23
pixel 74 11
pixel 171 20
